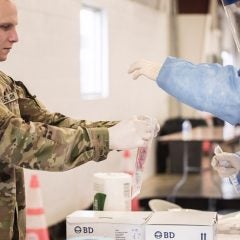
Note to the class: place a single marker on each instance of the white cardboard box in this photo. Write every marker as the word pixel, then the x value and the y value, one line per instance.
pixel 181 225
pixel 107 225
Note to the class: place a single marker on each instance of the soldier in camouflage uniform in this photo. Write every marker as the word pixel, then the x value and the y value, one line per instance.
pixel 31 137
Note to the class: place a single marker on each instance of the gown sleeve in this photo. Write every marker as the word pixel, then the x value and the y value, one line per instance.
pixel 207 87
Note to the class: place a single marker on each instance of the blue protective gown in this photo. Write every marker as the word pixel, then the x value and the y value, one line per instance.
pixel 207 87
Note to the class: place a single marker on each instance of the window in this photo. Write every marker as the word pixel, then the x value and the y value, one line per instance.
pixel 93 54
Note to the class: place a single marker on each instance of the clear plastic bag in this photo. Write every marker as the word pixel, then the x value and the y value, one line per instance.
pixel 141 157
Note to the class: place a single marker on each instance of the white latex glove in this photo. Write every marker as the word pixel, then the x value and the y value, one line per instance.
pixel 226 164
pixel 144 67
pixel 132 133
pixel 155 127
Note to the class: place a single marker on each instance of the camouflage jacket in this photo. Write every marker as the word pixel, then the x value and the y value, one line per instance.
pixel 32 137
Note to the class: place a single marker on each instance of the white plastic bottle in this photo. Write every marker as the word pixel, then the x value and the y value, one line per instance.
pixel 228 131
pixel 186 129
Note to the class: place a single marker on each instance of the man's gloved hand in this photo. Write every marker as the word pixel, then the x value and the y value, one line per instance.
pixel 226 164
pixel 153 122
pixel 144 67
pixel 132 133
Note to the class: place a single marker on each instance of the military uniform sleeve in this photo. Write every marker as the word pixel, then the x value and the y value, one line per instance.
pixel 32 110
pixel 208 87
pixel 42 146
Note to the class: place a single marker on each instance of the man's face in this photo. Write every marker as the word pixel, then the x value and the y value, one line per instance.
pixel 8 22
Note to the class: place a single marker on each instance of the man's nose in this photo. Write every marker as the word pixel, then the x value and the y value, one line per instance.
pixel 13 36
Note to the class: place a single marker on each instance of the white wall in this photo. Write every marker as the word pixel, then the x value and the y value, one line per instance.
pixel 191 29
pixel 47 60
pixel 191 42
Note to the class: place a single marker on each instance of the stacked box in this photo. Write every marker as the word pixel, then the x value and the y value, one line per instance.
pixel 141 225
pixel 124 225
pixel 182 225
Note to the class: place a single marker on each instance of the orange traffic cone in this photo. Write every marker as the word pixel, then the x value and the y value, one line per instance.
pixel 35 219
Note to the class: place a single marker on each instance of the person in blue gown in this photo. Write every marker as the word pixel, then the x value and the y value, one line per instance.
pixel 211 88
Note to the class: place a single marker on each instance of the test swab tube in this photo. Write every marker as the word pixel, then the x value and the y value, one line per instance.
pixel 233 178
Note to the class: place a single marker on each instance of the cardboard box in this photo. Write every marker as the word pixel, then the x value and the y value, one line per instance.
pixel 107 225
pixel 181 225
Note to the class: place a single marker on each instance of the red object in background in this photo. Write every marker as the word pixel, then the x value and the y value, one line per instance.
pixel 206 147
